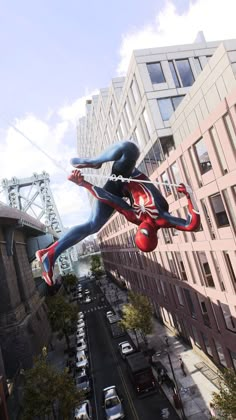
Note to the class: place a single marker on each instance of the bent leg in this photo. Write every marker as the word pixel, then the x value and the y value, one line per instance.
pixel 124 154
pixel 101 213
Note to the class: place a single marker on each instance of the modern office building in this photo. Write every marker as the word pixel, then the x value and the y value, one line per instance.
pixel 178 104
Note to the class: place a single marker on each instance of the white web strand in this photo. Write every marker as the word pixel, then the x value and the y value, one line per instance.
pixel 107 177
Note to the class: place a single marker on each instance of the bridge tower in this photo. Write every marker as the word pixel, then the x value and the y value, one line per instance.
pixel 33 195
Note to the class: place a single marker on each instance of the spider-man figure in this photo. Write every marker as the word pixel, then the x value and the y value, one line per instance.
pixel 145 207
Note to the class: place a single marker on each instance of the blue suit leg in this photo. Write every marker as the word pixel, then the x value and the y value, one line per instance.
pixel 100 214
pixel 124 154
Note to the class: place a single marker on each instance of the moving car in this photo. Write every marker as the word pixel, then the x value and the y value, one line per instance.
pixel 140 373
pixel 112 404
pixel 82 382
pixel 81 345
pixel 125 348
pixel 83 411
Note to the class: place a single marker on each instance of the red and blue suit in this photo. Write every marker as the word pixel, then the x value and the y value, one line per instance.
pixel 140 203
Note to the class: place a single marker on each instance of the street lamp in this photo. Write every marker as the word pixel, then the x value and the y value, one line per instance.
pixel 158 354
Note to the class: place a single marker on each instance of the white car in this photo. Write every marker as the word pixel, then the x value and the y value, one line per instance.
pixel 80 324
pixel 112 404
pixel 87 292
pixel 81 345
pixel 81 360
pixel 109 313
pixel 80 315
pixel 83 411
pixel 80 335
pixel 87 299
pixel 125 348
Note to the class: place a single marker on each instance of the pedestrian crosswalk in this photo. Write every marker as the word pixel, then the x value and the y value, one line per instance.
pixel 95 308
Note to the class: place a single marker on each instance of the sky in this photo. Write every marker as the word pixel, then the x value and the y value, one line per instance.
pixel 56 54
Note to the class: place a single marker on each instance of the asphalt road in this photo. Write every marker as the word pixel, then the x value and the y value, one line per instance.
pixel 107 368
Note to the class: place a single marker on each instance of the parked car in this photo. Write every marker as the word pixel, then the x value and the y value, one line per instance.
pixel 81 360
pixel 81 345
pixel 80 334
pixel 109 313
pixel 80 315
pixel 80 324
pixel 82 382
pixel 80 296
pixel 125 348
pixel 112 404
pixel 83 411
pixel 114 318
pixel 87 292
pixel 87 299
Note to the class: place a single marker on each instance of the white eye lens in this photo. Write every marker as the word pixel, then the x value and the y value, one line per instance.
pixel 145 232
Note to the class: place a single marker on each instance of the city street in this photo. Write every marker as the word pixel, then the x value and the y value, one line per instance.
pixel 107 367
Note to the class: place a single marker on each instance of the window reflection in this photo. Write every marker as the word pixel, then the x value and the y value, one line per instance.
pixel 202 156
pixel 155 72
pixel 185 72
pixel 168 105
pixel 219 210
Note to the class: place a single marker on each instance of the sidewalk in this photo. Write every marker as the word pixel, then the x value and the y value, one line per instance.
pixel 195 389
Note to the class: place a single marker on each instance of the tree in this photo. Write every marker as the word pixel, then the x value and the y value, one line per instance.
pixel 48 392
pixel 96 265
pixel 62 316
pixel 225 400
pixel 137 315
pixel 69 281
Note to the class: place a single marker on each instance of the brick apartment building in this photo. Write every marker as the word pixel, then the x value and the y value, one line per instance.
pixel 178 104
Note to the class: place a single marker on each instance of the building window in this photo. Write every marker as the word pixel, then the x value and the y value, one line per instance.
pixel 209 282
pixel 172 264
pixel 233 358
pixel 181 72
pixel 174 74
pixel 205 315
pixel 164 178
pixel 207 344
pixel 181 266
pixel 168 105
pixel 180 295
pixel 190 303
pixel 168 145
pixel 167 236
pixel 230 129
pixel 155 72
pixel 176 173
pixel 230 268
pixel 202 156
pixel 219 210
pixel 229 320
pixel 220 352
pixel 128 113
pixel 135 91
pixel 195 336
pixel 218 149
pixel 185 72
pixel 198 65
pixel 147 122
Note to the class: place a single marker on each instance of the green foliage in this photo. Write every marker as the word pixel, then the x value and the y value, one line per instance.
pixel 70 280
pixel 62 316
pixel 96 265
pixel 225 401
pixel 45 389
pixel 137 314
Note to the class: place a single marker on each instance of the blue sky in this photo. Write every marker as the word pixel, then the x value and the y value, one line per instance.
pixel 55 54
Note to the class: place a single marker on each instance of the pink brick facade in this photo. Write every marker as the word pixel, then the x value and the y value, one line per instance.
pixel 191 277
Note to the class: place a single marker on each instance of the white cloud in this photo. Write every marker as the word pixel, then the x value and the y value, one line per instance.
pixel 19 158
pixel 76 110
pixel 215 18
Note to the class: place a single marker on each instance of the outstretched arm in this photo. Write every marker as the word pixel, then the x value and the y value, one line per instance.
pixel 104 196
pixel 192 223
